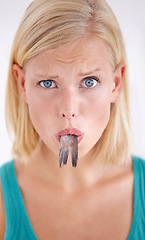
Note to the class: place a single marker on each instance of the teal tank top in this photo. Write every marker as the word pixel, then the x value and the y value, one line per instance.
pixel 18 225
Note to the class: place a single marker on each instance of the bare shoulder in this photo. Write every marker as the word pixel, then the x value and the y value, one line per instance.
pixel 2 215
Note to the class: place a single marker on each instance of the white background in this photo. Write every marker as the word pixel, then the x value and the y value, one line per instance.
pixel 130 14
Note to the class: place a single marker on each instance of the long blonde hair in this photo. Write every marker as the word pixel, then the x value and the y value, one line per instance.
pixel 48 24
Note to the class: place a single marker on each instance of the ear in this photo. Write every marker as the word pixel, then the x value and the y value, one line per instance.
pixel 19 76
pixel 118 82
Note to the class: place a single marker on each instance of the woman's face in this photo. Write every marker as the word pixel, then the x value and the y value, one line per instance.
pixel 71 87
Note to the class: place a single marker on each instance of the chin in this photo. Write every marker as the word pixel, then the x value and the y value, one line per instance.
pixel 86 154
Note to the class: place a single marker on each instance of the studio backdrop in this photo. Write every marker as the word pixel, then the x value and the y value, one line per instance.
pixel 131 17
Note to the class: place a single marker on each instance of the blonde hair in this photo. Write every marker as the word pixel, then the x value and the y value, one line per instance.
pixel 48 24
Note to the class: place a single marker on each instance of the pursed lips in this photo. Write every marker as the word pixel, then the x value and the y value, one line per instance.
pixel 70 131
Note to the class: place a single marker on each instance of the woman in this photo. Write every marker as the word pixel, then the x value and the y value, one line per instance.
pixel 68 92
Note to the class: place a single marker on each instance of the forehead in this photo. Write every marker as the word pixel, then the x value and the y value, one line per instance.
pixel 85 52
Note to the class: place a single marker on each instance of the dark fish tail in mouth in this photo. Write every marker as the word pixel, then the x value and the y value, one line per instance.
pixel 63 156
pixel 68 143
pixel 74 152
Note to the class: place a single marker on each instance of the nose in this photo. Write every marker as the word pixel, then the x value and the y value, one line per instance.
pixel 68 104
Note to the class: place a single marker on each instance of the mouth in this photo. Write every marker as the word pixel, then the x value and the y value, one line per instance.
pixel 70 131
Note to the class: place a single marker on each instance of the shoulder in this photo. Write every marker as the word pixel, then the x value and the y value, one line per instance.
pixel 4 171
pixel 139 163
pixel 138 159
pixel 2 215
pixel 139 175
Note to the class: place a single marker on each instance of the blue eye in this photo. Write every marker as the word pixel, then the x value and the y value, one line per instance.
pixel 47 84
pixel 90 82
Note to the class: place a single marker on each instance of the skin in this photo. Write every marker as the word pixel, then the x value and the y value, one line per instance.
pixel 69 103
pixel 84 200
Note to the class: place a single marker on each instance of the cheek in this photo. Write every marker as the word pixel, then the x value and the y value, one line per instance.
pixel 40 109
pixel 100 112
pixel 94 122
pixel 99 106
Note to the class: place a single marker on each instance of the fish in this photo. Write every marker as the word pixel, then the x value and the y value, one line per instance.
pixel 68 143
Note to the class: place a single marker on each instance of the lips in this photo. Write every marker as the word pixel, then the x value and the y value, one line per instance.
pixel 70 131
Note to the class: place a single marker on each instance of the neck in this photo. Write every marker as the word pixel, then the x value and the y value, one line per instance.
pixel 87 173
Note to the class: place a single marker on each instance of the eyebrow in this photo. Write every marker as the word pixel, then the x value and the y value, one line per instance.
pixel 80 74
pixel 89 72
pixel 44 77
